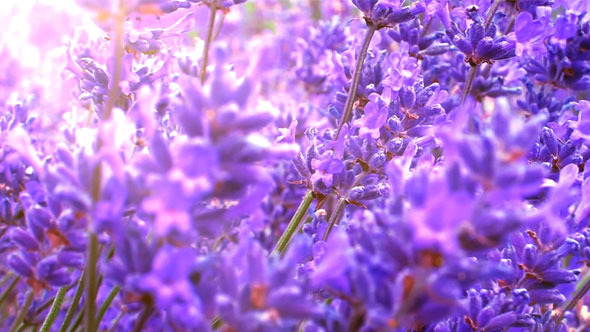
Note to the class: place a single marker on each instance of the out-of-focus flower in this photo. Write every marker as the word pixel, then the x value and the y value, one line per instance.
pixel 386 13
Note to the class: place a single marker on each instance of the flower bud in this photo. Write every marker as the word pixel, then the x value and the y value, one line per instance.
pixel 559 276
pixel 378 160
pixel 521 296
pixel 485 316
pixel 18 264
pixel 546 296
pixel 396 146
pixel 354 147
pixel 368 192
pixel 24 239
pixel 408 97
pixel 300 166
pixel 500 321
pixel 550 141
pixel 41 217
pixel 71 258
pixel 530 255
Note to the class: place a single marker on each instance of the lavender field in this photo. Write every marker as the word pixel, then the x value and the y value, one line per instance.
pixel 294 165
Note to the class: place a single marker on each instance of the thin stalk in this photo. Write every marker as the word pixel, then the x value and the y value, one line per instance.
pixel 213 10
pixel 579 294
pixel 293 224
pixel 23 311
pixel 491 13
pixel 77 321
pixel 49 302
pixel 59 298
pixel 6 277
pixel 356 78
pixel 318 206
pixel 335 217
pixel 107 302
pixel 44 306
pixel 116 321
pixel 219 25
pixel 119 53
pixel 316 9
pixel 145 314
pixel 510 24
pixel 8 290
pixel 22 327
pixel 341 205
pixel 74 305
pixel 91 286
pixel 216 323
pixel 426 28
pixel 469 82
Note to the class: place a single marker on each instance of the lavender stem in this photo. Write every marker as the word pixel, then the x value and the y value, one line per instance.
pixel 119 53
pixel 116 321
pixel 8 290
pixel 316 9
pixel 469 82
pixel 579 294
pixel 23 311
pixel 492 12
pixel 91 287
pixel 57 302
pixel 145 314
pixel 77 321
pixel 107 302
pixel 213 10
pixel 74 305
pixel 340 206
pixel 293 224
pixel 356 78
pixel 219 26
pixel 335 217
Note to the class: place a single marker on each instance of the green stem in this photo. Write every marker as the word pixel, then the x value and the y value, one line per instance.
pixel 491 13
pixel 293 224
pixel 219 25
pixel 6 277
pixel 8 290
pixel 74 305
pixel 356 78
pixel 119 53
pixel 22 327
pixel 77 321
pixel 510 24
pixel 316 9
pixel 107 302
pixel 91 286
pixel 145 314
pixel 341 205
pixel 49 302
pixel 335 217
pixel 216 323
pixel 59 298
pixel 579 294
pixel 213 12
pixel 116 321
pixel 23 311
pixel 469 82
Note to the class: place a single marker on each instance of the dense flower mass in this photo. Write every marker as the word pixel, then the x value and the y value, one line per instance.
pixel 295 165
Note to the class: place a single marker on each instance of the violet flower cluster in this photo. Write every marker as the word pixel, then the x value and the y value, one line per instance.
pixel 307 166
